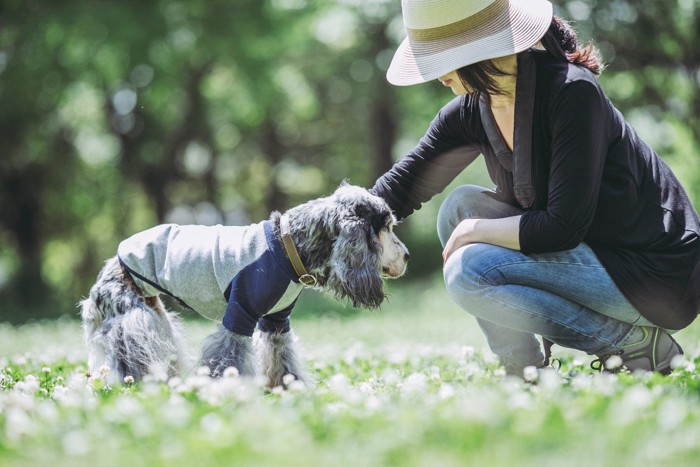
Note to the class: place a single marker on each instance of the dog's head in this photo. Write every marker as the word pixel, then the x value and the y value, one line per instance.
pixel 363 246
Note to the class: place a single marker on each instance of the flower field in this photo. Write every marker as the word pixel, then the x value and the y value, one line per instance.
pixel 412 384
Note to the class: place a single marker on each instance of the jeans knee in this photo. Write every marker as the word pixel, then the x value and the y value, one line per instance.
pixel 463 271
pixel 460 204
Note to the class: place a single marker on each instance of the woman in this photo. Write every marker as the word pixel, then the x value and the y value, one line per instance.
pixel 588 240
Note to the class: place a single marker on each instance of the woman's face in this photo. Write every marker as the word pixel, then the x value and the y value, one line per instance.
pixel 452 81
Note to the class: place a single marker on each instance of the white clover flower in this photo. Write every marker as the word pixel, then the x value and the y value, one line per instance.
pixel 296 386
pixel 338 382
pixel 391 376
pixel 203 371
pixel 288 379
pixel 613 362
pixel 31 379
pixel 366 388
pixel 103 371
pixel 679 361
pixel 446 391
pixel 30 385
pixel 46 370
pixel 530 374
pixel 231 372
pixel 174 382
pixel 195 382
pixel 549 379
pixel 59 393
pixel 129 380
pixel 415 383
pixel 467 351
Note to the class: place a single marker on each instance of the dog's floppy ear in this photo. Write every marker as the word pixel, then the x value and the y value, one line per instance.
pixel 355 269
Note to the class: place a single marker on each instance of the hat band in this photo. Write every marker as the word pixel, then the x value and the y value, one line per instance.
pixel 484 16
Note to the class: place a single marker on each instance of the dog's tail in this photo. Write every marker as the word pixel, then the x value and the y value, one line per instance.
pixel 129 335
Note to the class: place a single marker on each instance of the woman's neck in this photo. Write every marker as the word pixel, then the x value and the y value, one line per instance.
pixel 506 83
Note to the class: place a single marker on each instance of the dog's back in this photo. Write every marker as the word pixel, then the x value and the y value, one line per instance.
pixel 192 263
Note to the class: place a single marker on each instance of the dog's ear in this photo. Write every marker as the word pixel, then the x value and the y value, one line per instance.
pixel 376 216
pixel 355 264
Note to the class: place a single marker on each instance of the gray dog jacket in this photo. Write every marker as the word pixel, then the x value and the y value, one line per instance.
pixel 240 275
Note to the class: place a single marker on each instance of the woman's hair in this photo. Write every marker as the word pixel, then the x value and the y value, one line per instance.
pixel 559 41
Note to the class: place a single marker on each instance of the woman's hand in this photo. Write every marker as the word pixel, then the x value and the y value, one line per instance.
pixel 462 235
pixel 500 232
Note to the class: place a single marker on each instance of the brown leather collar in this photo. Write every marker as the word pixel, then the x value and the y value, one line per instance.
pixel 304 277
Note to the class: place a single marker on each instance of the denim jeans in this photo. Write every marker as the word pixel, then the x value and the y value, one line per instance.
pixel 567 297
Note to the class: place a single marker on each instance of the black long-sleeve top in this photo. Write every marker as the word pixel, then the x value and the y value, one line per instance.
pixel 594 180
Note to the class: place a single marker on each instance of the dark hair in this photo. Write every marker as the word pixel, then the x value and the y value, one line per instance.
pixel 559 41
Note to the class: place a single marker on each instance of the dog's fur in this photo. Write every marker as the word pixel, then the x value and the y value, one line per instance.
pixel 345 240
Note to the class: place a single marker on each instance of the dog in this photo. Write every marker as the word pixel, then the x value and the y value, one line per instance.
pixel 245 277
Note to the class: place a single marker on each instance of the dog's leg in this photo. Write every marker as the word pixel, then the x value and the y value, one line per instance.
pixel 100 354
pixel 225 349
pixel 279 356
pixel 125 334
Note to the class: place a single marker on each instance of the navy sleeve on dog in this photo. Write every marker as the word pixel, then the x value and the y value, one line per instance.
pixel 258 289
pixel 253 293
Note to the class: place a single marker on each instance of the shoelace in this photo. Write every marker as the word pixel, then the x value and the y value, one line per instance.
pixel 599 363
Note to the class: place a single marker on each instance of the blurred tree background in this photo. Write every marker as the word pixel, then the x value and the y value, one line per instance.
pixel 117 115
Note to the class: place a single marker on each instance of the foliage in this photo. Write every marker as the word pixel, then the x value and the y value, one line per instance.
pixel 412 384
pixel 118 115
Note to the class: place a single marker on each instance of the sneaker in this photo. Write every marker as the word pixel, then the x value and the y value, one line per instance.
pixel 653 353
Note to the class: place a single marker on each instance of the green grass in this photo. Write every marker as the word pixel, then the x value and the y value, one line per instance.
pixel 412 384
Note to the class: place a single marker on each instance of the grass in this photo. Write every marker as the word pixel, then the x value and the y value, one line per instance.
pixel 410 385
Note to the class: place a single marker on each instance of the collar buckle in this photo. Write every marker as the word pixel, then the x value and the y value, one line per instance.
pixel 306 279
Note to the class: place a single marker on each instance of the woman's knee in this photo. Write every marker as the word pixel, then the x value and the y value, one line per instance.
pixel 462 203
pixel 465 269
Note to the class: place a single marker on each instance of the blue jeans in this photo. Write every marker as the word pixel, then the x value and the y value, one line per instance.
pixel 567 297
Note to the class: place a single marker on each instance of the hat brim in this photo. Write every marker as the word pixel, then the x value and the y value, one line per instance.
pixel 526 21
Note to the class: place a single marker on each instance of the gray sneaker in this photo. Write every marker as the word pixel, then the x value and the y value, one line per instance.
pixel 653 353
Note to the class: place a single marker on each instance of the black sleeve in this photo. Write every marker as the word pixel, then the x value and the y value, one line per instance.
pixel 579 147
pixel 444 151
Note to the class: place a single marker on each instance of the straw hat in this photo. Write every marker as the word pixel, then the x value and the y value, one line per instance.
pixel 444 35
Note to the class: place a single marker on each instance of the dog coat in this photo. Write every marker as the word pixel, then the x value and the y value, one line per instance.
pixel 240 275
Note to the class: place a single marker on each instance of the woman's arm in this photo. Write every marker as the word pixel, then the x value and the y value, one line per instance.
pixel 446 149
pixel 503 232
pixel 579 131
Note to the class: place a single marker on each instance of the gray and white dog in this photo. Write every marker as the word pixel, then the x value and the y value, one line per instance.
pixel 245 277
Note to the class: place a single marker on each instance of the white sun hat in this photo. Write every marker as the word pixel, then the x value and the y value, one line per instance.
pixel 445 35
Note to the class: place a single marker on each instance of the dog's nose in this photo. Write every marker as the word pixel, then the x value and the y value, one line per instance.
pixel 406 256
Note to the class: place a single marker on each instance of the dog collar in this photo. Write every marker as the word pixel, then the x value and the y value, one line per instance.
pixel 305 278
